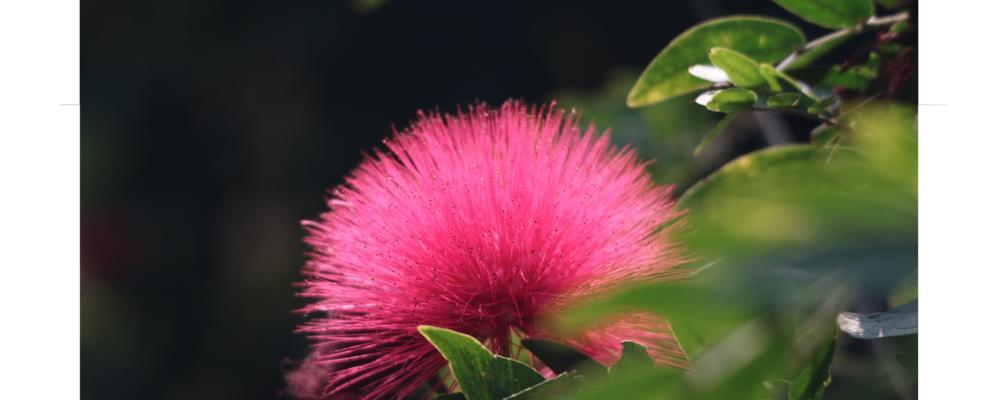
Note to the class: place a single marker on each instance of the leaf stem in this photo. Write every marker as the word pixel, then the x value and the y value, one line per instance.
pixel 873 23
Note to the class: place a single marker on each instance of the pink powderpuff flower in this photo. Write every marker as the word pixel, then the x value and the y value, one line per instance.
pixel 486 222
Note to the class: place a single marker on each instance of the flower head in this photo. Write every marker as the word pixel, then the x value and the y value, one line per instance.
pixel 485 222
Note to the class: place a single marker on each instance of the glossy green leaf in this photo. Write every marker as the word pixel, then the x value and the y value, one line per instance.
pixel 563 358
pixel 633 357
pixel 740 69
pixel 727 100
pixel 811 382
pixel 832 14
pixel 717 130
pixel 782 100
pixel 482 375
pixel 763 39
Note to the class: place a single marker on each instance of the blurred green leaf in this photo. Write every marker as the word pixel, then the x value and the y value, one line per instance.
pixel 716 130
pixel 822 105
pixel 563 358
pixel 450 396
pixel 740 69
pixel 796 200
pixel 482 375
pixel 782 100
pixel 763 39
pixel 811 382
pixel 832 14
pixel 822 135
pixel 727 100
pixel 691 342
pixel 633 357
pixel 683 304
pixel 562 386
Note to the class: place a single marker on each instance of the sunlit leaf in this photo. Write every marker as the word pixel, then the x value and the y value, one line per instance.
pixel 482 375
pixel 709 73
pixel 832 14
pixel 763 39
pixel 740 69
pixel 898 321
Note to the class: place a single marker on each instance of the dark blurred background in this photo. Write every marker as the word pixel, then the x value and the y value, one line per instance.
pixel 210 129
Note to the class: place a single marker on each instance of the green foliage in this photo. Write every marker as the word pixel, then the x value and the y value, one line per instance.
pixel 763 39
pixel 563 358
pixel 831 14
pixel 633 357
pixel 812 381
pixel 727 100
pixel 720 127
pixel 781 101
pixel 740 69
pixel 482 375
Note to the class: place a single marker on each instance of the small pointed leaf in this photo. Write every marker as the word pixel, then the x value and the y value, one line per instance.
pixel 742 70
pixel 781 101
pixel 727 100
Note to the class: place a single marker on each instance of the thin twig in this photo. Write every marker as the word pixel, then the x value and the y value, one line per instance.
pixel 874 22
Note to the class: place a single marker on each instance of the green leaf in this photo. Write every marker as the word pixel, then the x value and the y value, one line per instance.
pixel 562 386
pixel 482 375
pixel 741 70
pixel 811 381
pixel 763 39
pixel 450 396
pixel 832 14
pixel 720 127
pixel 727 100
pixel 633 357
pixel 563 358
pixel 782 100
